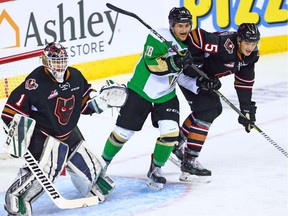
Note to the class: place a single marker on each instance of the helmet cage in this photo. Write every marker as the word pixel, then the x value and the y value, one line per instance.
pixel 55 59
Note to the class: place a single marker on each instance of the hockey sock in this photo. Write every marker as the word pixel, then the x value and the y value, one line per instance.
pixel 162 151
pixel 198 132
pixel 112 147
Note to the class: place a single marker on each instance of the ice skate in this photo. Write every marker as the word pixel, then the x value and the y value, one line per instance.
pixel 178 151
pixel 193 171
pixel 156 180
pixel 177 154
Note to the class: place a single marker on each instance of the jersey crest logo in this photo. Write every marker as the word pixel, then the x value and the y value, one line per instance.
pixel 229 46
pixel 64 109
pixel 31 84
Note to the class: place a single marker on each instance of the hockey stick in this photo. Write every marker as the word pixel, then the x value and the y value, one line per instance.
pixel 200 72
pixel 128 13
pixel 255 126
pixel 50 189
pixel 177 162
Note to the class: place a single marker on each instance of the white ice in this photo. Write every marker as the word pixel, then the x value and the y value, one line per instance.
pixel 249 174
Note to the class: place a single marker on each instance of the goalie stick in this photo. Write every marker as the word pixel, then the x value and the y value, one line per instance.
pixel 50 189
pixel 200 72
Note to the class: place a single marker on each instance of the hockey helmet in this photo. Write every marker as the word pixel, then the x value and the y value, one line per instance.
pixel 248 32
pixel 179 15
pixel 55 59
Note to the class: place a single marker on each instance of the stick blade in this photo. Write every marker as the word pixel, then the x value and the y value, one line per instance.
pixel 63 203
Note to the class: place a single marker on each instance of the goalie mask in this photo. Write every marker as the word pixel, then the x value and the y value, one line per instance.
pixel 55 59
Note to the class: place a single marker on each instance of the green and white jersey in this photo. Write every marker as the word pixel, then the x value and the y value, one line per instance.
pixel 151 78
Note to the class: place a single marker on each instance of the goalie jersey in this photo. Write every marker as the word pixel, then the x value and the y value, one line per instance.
pixel 55 106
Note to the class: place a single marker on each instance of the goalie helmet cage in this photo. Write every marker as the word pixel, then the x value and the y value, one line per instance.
pixel 13 70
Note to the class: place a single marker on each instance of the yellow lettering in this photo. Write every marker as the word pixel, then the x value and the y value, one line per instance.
pixel 198 10
pixel 273 12
pixel 244 13
pixel 222 13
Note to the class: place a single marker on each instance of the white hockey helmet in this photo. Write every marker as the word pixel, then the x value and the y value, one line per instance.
pixel 55 59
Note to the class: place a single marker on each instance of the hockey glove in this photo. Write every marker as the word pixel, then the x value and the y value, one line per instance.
pixel 190 70
pixel 115 94
pixel 208 85
pixel 250 113
pixel 19 135
pixel 178 62
pixel 111 95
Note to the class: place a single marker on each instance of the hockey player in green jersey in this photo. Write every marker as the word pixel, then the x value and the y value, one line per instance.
pixel 152 90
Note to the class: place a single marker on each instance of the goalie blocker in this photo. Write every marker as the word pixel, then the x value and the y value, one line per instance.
pixel 85 169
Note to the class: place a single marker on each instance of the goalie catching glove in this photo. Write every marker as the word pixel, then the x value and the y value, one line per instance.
pixel 111 95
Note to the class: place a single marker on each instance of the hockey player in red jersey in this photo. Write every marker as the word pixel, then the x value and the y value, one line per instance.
pixel 217 54
pixel 53 96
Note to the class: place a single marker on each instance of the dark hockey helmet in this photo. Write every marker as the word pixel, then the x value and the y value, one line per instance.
pixel 55 59
pixel 248 32
pixel 179 15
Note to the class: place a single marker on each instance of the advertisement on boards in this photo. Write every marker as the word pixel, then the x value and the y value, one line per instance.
pixel 94 33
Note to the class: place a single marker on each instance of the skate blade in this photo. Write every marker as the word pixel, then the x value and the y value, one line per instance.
pixel 154 185
pixel 187 177
pixel 175 160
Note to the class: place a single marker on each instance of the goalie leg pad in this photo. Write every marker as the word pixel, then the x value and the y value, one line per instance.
pixel 26 189
pixel 15 200
pixel 54 157
pixel 84 167
pixel 19 135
